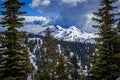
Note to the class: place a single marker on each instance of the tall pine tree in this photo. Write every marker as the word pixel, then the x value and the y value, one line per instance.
pixel 61 73
pixel 47 61
pixel 14 58
pixel 73 67
pixel 75 70
pixel 68 63
pixel 106 60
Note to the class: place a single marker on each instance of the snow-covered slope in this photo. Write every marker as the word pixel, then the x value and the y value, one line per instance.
pixel 33 52
pixel 72 34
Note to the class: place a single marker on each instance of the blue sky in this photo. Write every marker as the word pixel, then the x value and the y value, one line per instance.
pixel 31 11
pixel 64 12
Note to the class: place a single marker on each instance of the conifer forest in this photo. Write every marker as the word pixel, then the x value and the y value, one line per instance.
pixel 57 52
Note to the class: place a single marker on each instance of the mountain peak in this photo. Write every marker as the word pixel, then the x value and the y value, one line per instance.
pixel 73 27
pixel 72 34
pixel 59 27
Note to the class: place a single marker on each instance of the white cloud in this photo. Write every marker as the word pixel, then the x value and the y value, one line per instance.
pixel 118 1
pixel 73 2
pixel 36 3
pixel 37 18
pixel 69 11
pixel 45 2
pixel 118 10
pixel 88 23
pixel 31 26
pixel 118 5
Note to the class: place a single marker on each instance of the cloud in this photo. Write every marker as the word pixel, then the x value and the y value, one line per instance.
pixel 88 23
pixel 71 12
pixel 36 3
pixel 45 2
pixel 72 2
pixel 118 2
pixel 35 24
pixel 118 10
pixel 32 24
pixel 32 28
pixel 44 20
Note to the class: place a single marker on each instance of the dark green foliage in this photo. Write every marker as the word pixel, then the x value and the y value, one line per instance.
pixel 14 58
pixel 82 50
pixel 68 64
pixel 118 27
pixel 106 60
pixel 47 60
pixel 61 72
pixel 74 70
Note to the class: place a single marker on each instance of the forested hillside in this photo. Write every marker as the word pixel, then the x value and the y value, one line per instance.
pixel 83 50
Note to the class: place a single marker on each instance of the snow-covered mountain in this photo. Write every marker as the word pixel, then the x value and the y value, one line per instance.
pixel 38 24
pixel 72 34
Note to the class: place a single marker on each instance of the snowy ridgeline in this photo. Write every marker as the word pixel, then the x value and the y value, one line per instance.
pixel 71 34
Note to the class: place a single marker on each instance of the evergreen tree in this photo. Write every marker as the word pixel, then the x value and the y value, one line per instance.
pixel 75 70
pixel 61 72
pixel 118 27
pixel 68 64
pixel 14 58
pixel 73 67
pixel 106 60
pixel 48 58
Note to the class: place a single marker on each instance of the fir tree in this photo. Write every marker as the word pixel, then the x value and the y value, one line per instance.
pixel 75 70
pixel 68 64
pixel 118 27
pixel 14 58
pixel 106 60
pixel 61 72
pixel 48 58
